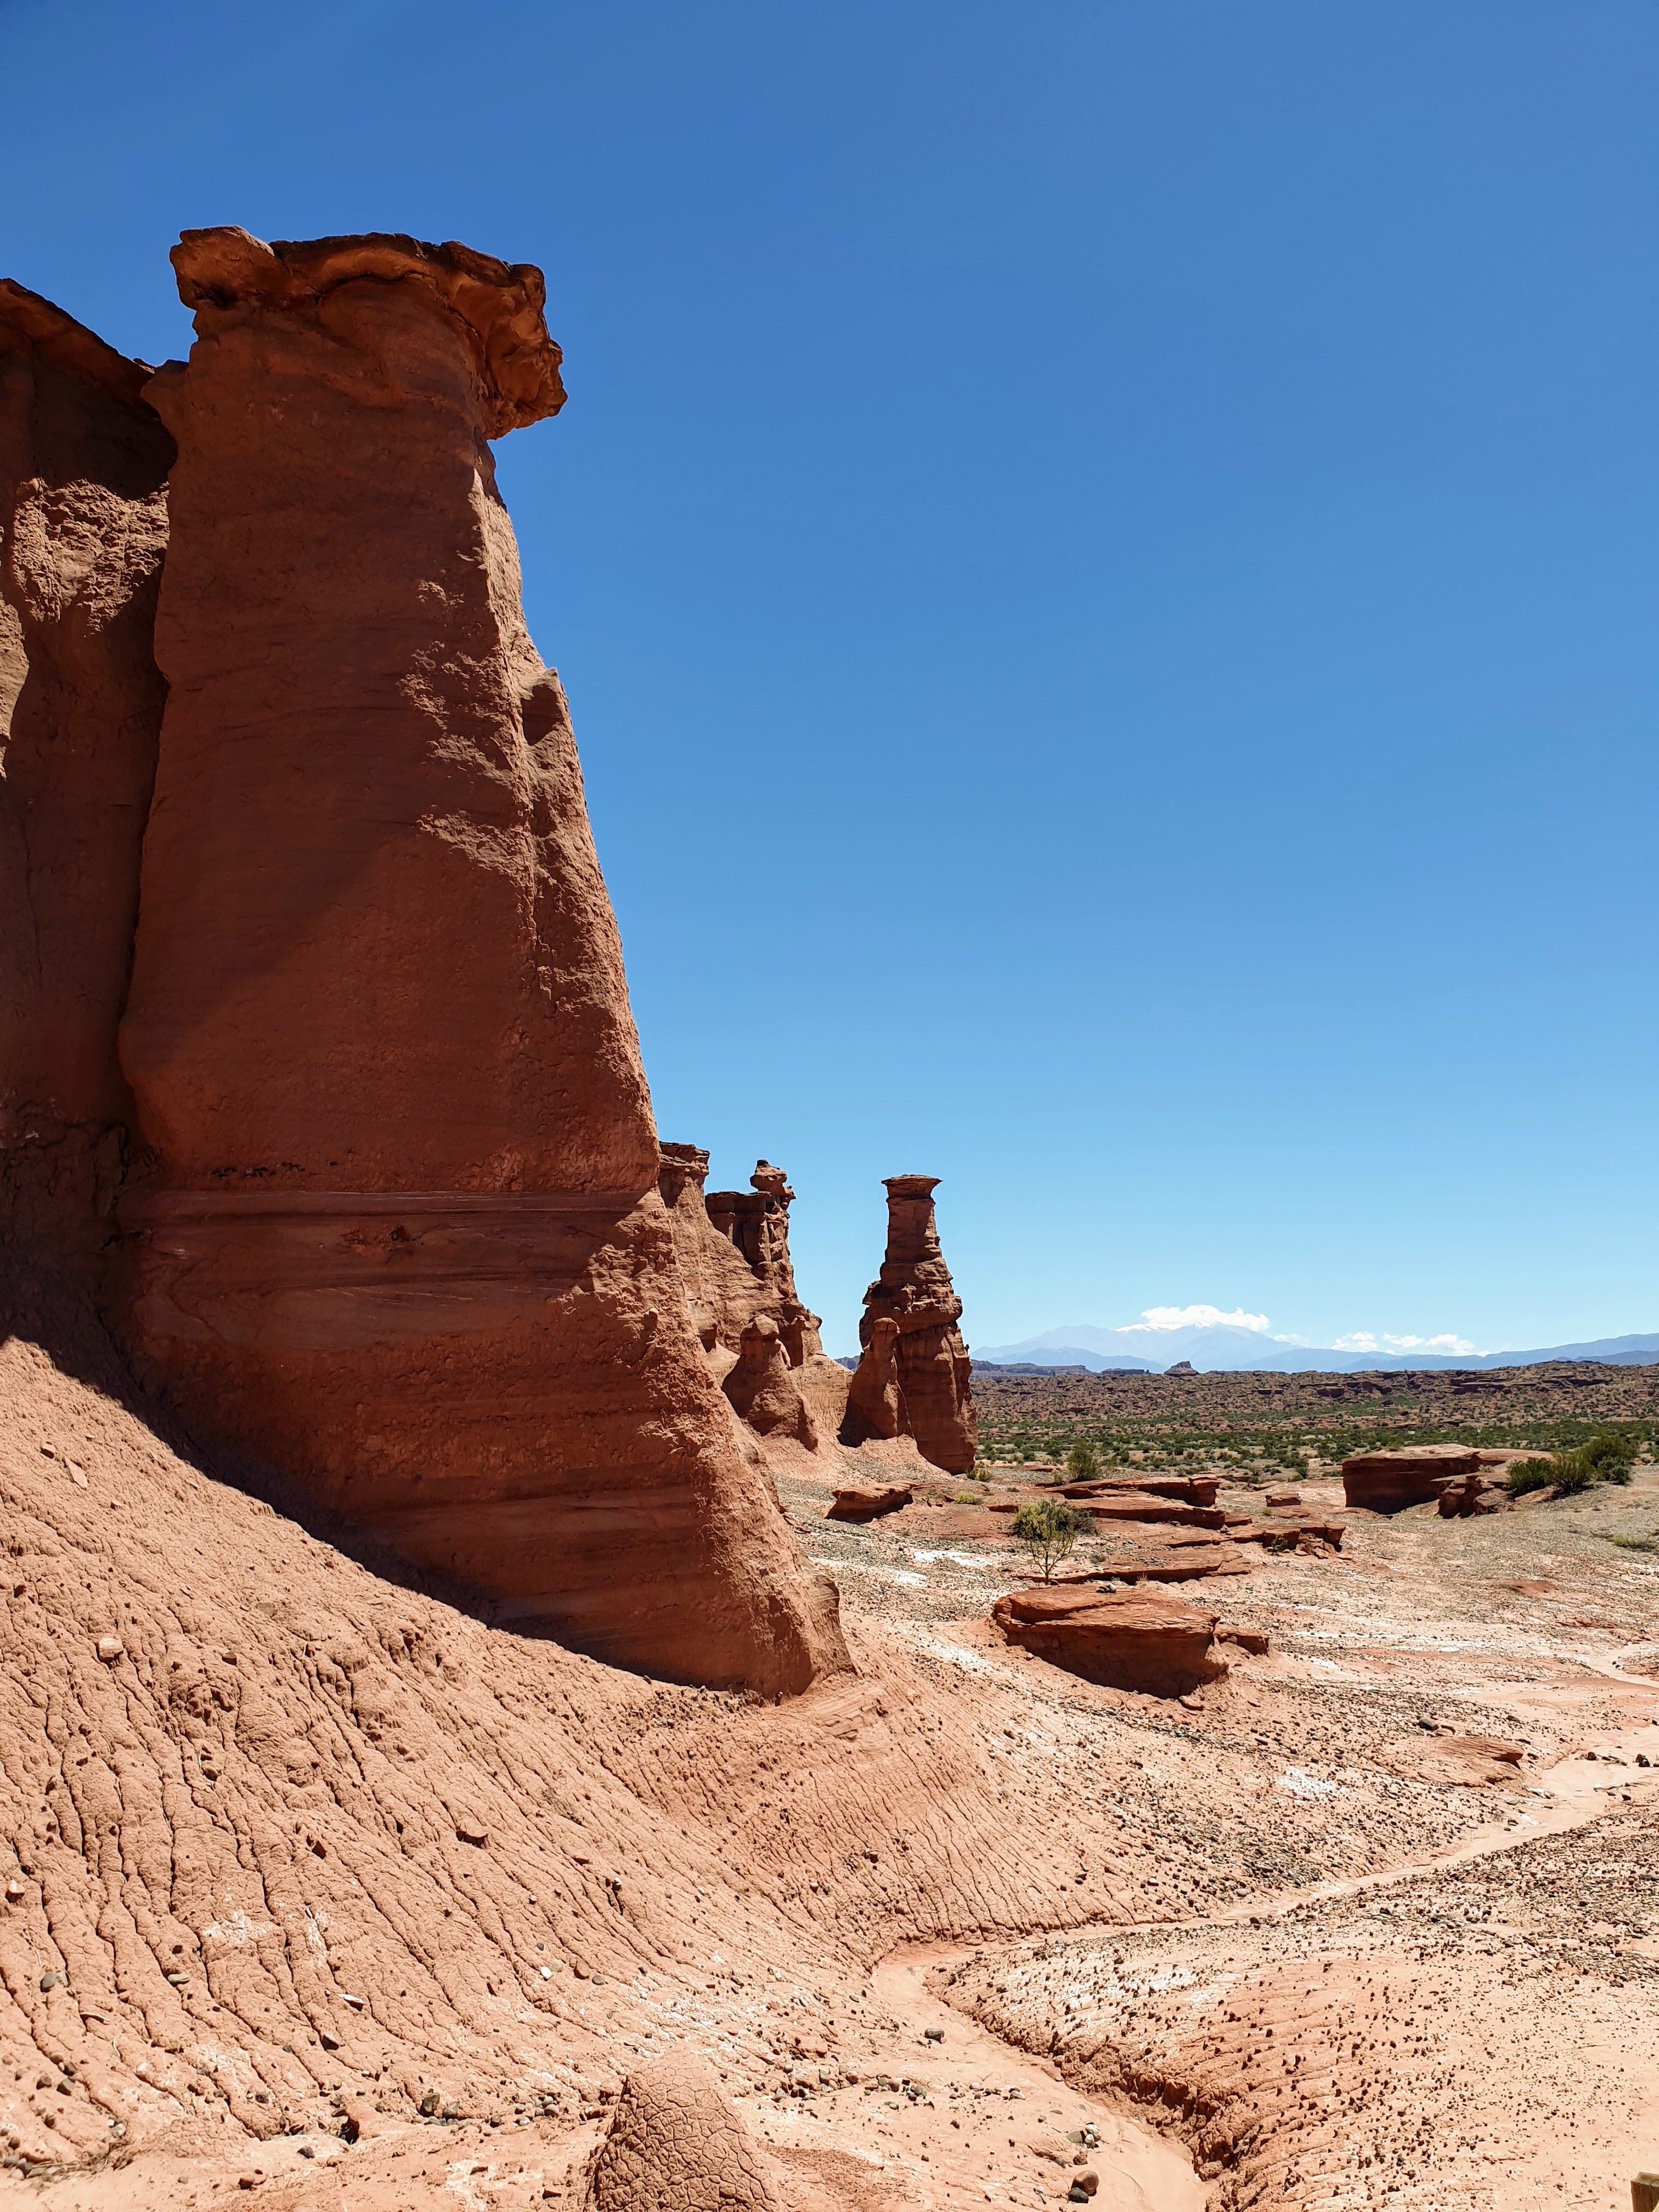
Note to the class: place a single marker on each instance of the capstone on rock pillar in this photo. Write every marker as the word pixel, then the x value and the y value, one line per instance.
pixel 914 1377
pixel 400 1231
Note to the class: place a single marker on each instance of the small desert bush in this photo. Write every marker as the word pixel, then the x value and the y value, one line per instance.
pixel 1083 1462
pixel 1048 1530
pixel 1605 1458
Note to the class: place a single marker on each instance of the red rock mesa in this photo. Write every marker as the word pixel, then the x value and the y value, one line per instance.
pixel 914 1378
pixel 400 1231
pixel 83 465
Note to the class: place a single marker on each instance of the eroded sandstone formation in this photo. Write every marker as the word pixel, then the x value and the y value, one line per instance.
pixel 755 1224
pixel 739 1284
pixel 914 1376
pixel 400 1229
pixel 1131 1639
pixel 83 465
pixel 1389 1481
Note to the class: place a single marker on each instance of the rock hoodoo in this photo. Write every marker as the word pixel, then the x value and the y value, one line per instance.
pixel 400 1229
pixel 761 1340
pixel 83 465
pixel 914 1376
pixel 755 1224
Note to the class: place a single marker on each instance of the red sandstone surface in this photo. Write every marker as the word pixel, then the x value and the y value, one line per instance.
pixel 453 1748
pixel 912 1378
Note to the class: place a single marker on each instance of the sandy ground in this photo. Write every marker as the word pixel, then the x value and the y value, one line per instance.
pixel 959 1930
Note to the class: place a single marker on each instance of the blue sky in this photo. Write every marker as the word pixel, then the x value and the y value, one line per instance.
pixel 1105 558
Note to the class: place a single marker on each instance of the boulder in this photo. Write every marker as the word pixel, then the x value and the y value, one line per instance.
pixel 869 1503
pixel 1128 1639
pixel 675 2144
pixel 400 1233
pixel 914 1377
pixel 1387 1481
pixel 1475 1493
pixel 83 522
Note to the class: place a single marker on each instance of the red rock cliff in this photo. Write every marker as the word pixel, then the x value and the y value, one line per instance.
pixel 914 1378
pixel 83 464
pixel 401 1231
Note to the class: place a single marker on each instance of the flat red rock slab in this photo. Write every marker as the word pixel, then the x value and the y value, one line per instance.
pixel 1129 1640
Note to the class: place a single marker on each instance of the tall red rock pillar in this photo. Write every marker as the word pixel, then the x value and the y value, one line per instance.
pixel 403 1235
pixel 914 1377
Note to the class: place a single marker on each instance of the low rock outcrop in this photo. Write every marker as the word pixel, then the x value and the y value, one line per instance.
pixel 84 466
pixel 676 2144
pixel 869 1503
pixel 1389 1481
pixel 1475 1493
pixel 400 1229
pixel 1130 1640
pixel 914 1377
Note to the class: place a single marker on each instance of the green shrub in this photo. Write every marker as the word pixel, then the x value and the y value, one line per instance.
pixel 1605 1457
pixel 1048 1530
pixel 1083 1462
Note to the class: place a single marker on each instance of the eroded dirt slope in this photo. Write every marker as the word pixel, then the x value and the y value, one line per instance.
pixel 304 1855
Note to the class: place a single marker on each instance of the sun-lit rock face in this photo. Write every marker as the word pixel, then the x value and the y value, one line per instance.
pixel 915 1378
pixel 400 1229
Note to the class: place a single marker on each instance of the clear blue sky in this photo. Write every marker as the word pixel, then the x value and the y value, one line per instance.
pixel 1105 557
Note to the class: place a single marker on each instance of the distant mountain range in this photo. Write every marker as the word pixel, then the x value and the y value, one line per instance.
pixel 1244 1350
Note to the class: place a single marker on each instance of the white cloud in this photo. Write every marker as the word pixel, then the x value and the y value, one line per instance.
pixel 1194 1317
pixel 1364 1339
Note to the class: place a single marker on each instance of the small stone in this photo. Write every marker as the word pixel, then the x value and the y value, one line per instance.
pixel 52 1982
pixel 933 2035
pixel 472 1832
pixel 110 1648
pixel 247 2181
pixel 16 1891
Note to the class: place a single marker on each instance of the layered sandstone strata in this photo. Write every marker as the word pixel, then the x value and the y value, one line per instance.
pixel 1389 1481
pixel 401 1232
pixel 755 1224
pixel 914 1376
pixel 739 1283
pixel 83 465
pixel 1131 1639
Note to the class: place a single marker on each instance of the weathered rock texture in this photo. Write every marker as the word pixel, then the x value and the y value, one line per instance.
pixel 1128 1639
pixel 1387 1481
pixel 869 1503
pixel 914 1377
pixel 675 2144
pixel 720 1288
pixel 83 464
pixel 759 1337
pixel 402 1231
pixel 755 1224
